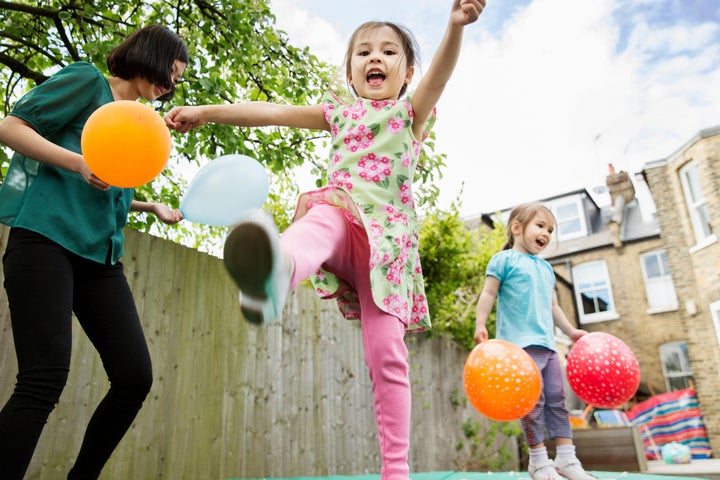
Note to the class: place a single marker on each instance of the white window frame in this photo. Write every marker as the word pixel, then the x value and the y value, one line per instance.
pixel 715 313
pixel 603 281
pixel 577 202
pixel 696 205
pixel 679 349
pixel 661 286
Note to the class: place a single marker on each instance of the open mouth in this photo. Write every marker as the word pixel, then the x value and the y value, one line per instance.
pixel 375 77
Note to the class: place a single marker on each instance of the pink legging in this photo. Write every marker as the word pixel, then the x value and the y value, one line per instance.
pixel 325 237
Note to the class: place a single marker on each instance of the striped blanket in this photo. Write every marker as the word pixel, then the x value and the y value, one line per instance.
pixel 672 417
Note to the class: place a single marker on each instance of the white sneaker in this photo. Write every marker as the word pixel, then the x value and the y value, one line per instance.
pixel 572 469
pixel 252 258
pixel 544 470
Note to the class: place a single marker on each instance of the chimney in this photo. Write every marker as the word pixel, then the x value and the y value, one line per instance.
pixel 621 192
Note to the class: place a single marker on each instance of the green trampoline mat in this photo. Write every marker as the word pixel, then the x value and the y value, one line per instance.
pixel 486 476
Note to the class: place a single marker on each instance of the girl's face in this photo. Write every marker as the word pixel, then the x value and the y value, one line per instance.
pixel 152 92
pixel 378 67
pixel 536 235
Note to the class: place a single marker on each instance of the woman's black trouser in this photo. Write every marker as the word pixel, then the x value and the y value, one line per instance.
pixel 45 284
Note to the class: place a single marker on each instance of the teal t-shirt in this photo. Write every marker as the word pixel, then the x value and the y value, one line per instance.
pixel 55 202
pixel 524 299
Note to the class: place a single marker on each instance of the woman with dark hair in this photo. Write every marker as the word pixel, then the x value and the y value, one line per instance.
pixel 63 249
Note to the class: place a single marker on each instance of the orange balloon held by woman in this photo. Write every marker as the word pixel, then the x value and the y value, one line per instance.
pixel 125 143
pixel 501 380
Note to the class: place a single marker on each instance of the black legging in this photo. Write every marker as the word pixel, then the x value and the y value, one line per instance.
pixel 45 283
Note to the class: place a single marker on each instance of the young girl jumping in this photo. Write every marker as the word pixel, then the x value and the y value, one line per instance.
pixel 527 312
pixel 357 238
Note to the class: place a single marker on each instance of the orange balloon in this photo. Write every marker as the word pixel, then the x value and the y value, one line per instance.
pixel 125 143
pixel 501 380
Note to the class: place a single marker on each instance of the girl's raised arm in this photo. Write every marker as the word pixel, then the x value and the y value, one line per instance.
pixel 248 114
pixel 432 84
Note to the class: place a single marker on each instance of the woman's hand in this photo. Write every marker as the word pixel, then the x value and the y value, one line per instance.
pixel 167 215
pixel 164 213
pixel 90 177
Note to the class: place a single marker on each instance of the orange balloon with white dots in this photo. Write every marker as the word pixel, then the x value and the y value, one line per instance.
pixel 501 380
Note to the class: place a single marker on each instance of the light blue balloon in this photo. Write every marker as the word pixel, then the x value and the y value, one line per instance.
pixel 225 190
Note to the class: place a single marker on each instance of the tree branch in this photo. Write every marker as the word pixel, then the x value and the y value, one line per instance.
pixel 33 46
pixel 66 41
pixel 21 69
pixel 21 7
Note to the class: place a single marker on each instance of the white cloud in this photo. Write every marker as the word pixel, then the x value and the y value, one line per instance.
pixel 682 38
pixel 309 30
pixel 525 134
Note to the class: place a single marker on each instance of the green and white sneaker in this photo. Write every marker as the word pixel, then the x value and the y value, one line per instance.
pixel 252 258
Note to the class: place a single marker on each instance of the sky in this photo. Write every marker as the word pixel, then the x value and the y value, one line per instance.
pixel 547 93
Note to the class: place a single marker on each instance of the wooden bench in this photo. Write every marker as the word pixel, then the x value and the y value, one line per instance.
pixel 608 449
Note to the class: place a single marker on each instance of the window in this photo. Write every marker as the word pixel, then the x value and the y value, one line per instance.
pixel 715 311
pixel 593 292
pixel 659 284
pixel 570 218
pixel 676 365
pixel 696 203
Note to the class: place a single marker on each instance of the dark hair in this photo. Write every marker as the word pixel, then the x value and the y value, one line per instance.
pixel 523 214
pixel 407 42
pixel 149 53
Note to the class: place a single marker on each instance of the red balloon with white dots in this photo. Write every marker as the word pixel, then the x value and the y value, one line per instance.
pixel 602 370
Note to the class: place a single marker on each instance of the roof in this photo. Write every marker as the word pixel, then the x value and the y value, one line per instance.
pixel 708 132
pixel 633 228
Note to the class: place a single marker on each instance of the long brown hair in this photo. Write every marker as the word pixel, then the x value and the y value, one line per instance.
pixel 523 214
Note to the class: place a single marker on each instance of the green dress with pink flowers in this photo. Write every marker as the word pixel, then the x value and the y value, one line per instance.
pixel 370 173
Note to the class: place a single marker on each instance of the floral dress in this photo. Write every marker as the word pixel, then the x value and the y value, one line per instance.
pixel 370 173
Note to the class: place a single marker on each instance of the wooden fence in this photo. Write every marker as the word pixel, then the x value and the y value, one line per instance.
pixel 231 400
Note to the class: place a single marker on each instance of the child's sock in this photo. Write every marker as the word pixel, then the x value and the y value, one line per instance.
pixel 565 451
pixel 538 455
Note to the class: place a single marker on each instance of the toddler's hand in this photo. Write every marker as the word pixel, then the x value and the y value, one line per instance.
pixel 183 119
pixel 481 334
pixel 577 334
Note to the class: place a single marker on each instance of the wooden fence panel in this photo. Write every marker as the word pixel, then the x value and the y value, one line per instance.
pixel 230 400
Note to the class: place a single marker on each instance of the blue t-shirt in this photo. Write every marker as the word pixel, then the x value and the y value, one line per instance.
pixel 55 202
pixel 524 300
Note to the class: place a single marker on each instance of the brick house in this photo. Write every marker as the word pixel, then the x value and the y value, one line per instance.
pixel 686 190
pixel 651 280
